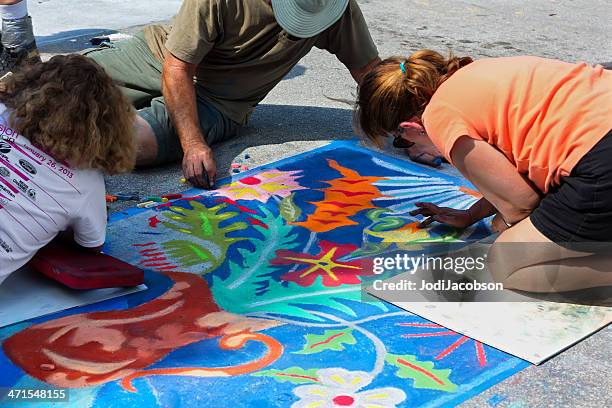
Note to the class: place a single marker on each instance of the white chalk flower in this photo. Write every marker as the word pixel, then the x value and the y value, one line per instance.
pixel 338 387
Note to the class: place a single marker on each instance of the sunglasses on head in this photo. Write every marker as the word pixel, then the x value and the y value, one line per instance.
pixel 401 143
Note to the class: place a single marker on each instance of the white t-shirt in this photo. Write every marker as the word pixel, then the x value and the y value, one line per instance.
pixel 40 197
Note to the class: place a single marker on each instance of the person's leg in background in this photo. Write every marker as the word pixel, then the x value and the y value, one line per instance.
pixel 18 43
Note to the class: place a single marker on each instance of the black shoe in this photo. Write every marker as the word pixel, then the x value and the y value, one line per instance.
pixel 10 59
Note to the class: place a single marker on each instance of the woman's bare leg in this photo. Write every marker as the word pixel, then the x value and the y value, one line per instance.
pixel 524 259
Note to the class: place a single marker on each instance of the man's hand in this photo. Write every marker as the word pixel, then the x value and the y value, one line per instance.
pixel 444 215
pixel 199 165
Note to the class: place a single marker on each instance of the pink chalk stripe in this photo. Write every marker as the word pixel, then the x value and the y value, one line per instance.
pixel 154 265
pixel 451 348
pixel 480 352
pixel 161 258
pixel 436 334
pixel 144 245
pixel 167 268
pixel 420 325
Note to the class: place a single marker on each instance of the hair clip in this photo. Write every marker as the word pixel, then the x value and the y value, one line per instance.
pixel 403 67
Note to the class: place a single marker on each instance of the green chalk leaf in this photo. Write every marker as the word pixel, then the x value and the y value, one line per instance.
pixel 422 372
pixel 208 229
pixel 289 210
pixel 330 340
pixel 187 253
pixel 294 375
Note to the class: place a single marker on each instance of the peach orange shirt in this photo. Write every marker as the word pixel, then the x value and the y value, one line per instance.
pixel 543 115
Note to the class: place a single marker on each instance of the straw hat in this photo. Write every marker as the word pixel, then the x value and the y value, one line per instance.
pixel 307 18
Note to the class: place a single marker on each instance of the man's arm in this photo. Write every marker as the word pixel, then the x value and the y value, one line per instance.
pixel 350 41
pixel 359 73
pixel 178 88
pixel 512 194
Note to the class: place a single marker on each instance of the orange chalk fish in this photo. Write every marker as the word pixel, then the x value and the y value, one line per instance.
pixel 344 198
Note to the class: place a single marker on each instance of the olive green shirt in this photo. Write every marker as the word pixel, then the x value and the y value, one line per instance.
pixel 242 52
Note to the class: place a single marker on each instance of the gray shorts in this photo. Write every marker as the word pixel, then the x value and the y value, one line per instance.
pixel 132 65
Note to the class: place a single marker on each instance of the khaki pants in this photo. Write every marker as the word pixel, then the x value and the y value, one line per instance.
pixel 132 65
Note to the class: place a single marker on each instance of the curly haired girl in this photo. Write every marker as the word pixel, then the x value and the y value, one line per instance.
pixel 532 134
pixel 63 123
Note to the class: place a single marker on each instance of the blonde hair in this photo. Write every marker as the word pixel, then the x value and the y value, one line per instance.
pixel 399 89
pixel 70 107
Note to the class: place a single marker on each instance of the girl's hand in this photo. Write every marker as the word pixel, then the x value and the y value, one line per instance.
pixel 444 215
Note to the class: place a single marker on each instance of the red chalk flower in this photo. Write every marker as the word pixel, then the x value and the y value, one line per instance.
pixel 325 264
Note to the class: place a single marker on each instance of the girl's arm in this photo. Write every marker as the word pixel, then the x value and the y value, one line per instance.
pixel 496 178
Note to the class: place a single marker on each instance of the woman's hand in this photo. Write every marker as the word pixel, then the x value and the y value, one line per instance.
pixel 444 215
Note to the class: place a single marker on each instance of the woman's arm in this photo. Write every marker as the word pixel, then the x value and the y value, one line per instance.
pixel 496 178
pixel 455 218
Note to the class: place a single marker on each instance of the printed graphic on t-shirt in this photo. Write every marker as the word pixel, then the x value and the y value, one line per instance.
pixel 4 147
pixel 20 164
pixel 27 166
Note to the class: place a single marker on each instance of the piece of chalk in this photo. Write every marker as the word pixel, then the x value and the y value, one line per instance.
pixel 184 180
pixel 154 198
pixel 144 204
pixel 244 168
pixel 110 198
pixel 172 196
pixel 235 165
pixel 164 200
pixel 247 156
pixel 151 204
pixel 127 197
